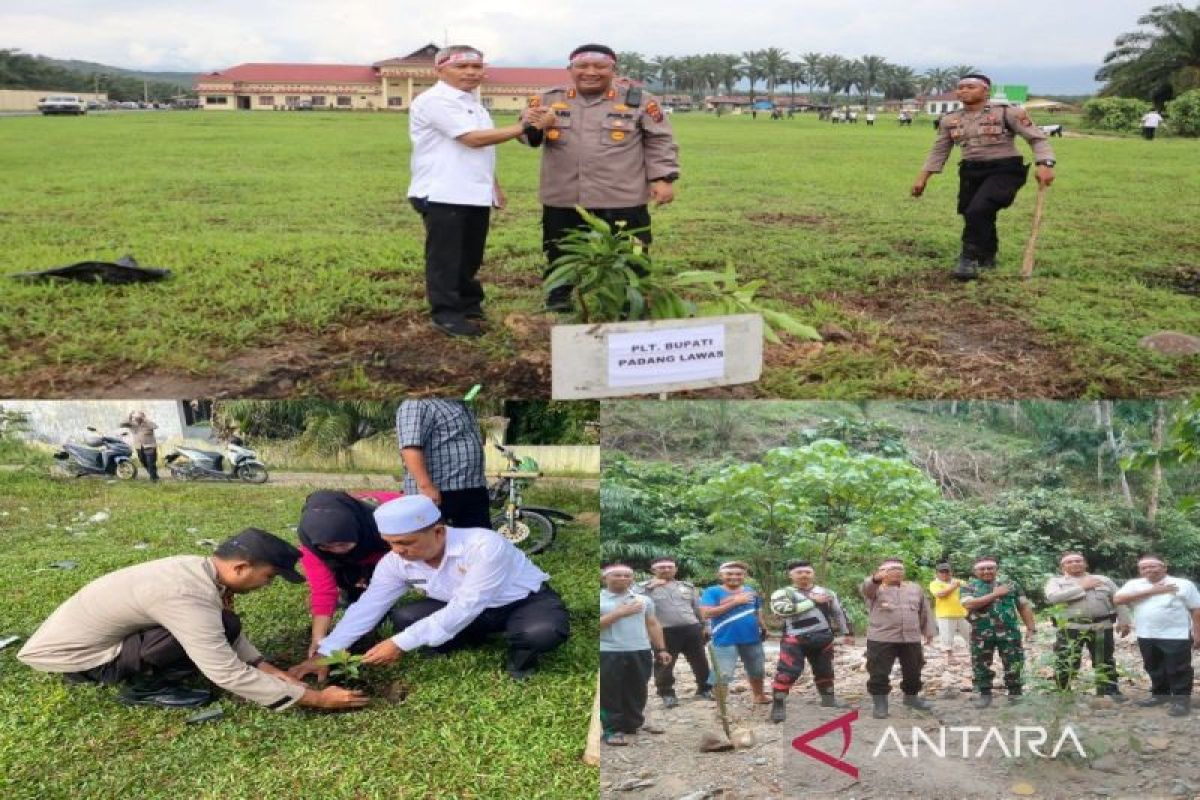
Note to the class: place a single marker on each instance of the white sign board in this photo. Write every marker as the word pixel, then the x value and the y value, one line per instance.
pixel 630 358
pixel 666 356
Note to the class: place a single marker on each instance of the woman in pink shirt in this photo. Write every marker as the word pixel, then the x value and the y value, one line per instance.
pixel 339 548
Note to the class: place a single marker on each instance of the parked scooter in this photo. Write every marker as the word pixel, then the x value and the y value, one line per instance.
pixel 531 528
pixel 96 455
pixel 239 463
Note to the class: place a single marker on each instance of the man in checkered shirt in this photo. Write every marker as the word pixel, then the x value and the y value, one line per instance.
pixel 442 450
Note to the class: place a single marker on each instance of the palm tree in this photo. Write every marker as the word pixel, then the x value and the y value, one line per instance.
pixel 752 68
pixel 321 427
pixel 729 71
pixel 812 70
pixel 956 72
pixel 634 65
pixel 898 82
pixel 663 68
pixel 774 61
pixel 833 74
pixel 872 75
pixel 1159 63
pixel 793 73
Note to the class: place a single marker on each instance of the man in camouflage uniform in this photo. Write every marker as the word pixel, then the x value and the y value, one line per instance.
pixel 610 149
pixel 995 609
pixel 991 172
pixel 677 604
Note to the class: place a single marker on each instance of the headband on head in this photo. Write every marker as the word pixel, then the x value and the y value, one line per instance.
pixel 604 573
pixel 991 561
pixel 1065 556
pixel 731 565
pixel 1155 559
pixel 458 58
pixel 592 55
pixel 658 561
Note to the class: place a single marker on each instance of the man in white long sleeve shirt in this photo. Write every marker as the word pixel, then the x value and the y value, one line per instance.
pixel 476 584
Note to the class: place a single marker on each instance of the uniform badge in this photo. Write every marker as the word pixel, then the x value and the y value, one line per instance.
pixel 559 105
pixel 620 107
pixel 534 102
pixel 610 94
pixel 570 94
pixel 618 135
pixel 655 113
pixel 553 134
pixel 617 123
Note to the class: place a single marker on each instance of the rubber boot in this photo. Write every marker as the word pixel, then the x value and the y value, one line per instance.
pixel 756 689
pixel 913 701
pixel 967 269
pixel 829 701
pixel 1181 706
pixel 881 706
pixel 778 706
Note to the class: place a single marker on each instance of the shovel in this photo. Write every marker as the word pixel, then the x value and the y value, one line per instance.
pixel 710 742
pixel 1031 246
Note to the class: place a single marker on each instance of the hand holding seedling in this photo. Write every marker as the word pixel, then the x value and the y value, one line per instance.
pixel 385 652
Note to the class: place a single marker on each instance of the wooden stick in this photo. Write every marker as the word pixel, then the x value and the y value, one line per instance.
pixel 591 753
pixel 1031 247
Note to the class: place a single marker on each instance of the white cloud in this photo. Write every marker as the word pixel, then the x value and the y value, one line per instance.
pixel 160 34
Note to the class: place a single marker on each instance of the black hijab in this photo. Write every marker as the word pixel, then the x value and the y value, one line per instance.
pixel 332 517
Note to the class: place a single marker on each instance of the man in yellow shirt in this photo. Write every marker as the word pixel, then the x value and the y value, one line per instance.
pixel 949 611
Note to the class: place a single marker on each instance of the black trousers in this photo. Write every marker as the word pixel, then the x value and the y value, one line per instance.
pixel 687 640
pixel 557 222
pixel 152 650
pixel 149 458
pixel 455 237
pixel 1068 655
pixel 1169 664
pixel 984 188
pixel 794 651
pixel 881 656
pixel 467 508
pixel 624 682
pixel 1148 133
pixel 533 625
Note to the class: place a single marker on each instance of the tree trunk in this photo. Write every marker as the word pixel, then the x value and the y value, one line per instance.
pixel 1104 407
pixel 1160 421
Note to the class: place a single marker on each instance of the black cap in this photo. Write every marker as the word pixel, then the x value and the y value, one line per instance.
pixel 258 545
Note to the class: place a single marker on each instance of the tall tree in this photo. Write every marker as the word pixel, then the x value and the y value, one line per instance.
pixel 752 69
pixel 1158 62
pixel 774 62
pixel 872 75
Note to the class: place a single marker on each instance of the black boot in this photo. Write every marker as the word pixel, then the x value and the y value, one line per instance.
pixel 670 701
pixel 913 701
pixel 881 706
pixel 1181 706
pixel 988 262
pixel 1154 700
pixel 165 696
pixel 778 706
pixel 984 701
pixel 829 701
pixel 967 269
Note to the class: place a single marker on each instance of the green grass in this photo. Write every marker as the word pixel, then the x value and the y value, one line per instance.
pixel 465 730
pixel 291 227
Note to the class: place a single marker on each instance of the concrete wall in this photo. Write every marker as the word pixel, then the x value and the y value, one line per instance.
pixel 27 99
pixel 382 454
pixel 54 421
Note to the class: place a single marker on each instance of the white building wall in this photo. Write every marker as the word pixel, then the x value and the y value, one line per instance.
pixel 55 421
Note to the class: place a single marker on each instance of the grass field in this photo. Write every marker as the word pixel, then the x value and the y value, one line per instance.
pixel 465 729
pixel 298 262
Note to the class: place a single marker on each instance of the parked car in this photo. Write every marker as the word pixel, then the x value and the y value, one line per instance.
pixel 62 104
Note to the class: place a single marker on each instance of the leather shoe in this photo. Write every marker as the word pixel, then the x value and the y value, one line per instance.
pixel 165 696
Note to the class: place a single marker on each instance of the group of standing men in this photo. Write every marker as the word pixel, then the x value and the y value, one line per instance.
pixel 606 147
pixel 646 626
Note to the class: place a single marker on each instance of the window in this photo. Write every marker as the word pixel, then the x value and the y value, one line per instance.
pixel 216 100
pixel 266 100
pixel 395 102
pixel 318 99
pixel 343 100
pixel 292 99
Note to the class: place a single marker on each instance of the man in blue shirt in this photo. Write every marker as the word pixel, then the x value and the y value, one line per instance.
pixel 738 628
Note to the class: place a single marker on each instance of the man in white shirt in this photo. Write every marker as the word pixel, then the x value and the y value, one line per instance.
pixel 476 584
pixel 1150 122
pixel 1166 618
pixel 454 186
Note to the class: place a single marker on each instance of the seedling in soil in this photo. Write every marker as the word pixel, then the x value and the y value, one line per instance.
pixel 344 667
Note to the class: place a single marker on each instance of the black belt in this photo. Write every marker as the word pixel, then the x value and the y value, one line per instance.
pixel 1091 620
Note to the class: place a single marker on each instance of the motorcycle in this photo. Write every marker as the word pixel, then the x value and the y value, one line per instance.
pixel 531 528
pixel 239 463
pixel 96 455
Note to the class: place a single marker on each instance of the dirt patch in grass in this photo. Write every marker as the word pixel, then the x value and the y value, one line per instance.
pixel 1184 279
pixel 370 359
pixel 781 218
pixel 988 352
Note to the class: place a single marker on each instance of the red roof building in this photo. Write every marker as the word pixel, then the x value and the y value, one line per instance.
pixel 390 84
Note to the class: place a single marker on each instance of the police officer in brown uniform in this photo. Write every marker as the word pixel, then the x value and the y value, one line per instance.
pixel 991 171
pixel 610 149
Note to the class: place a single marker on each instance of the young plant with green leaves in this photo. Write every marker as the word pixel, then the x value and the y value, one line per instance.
pixel 343 666
pixel 615 279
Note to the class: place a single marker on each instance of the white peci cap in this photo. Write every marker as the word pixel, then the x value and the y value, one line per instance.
pixel 408 514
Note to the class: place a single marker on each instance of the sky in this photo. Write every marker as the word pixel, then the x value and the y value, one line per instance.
pixel 1054 45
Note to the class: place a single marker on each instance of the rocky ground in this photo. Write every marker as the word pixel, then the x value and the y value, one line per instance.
pixel 1130 752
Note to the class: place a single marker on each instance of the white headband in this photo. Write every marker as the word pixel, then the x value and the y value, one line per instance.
pixel 613 568
pixel 456 58
pixel 1151 558
pixel 731 565
pixel 592 55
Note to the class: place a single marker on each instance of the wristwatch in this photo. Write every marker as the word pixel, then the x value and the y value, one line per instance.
pixel 1047 162
pixel 674 176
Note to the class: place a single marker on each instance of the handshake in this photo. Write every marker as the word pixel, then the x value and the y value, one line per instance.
pixel 539 117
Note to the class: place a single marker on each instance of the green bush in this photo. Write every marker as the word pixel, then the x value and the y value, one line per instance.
pixel 1184 113
pixel 1115 113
